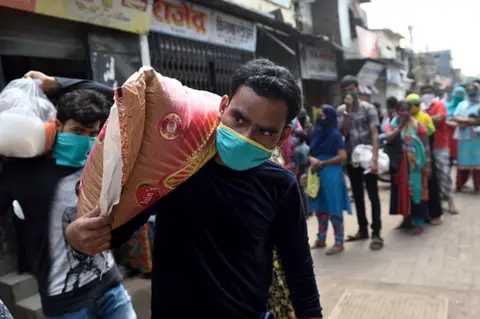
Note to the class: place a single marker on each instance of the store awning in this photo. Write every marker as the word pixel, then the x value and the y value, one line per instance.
pixel 270 33
pixel 267 20
pixel 367 89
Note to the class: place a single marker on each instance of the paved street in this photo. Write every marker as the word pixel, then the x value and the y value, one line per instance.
pixel 443 263
pixel 422 277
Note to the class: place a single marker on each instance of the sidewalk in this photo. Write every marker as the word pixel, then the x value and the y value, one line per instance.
pixel 443 263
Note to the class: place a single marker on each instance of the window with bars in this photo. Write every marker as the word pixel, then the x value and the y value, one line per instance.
pixel 196 64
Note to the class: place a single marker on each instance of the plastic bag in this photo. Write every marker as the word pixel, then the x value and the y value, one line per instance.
pixel 313 183
pixel 362 157
pixel 158 134
pixel 27 120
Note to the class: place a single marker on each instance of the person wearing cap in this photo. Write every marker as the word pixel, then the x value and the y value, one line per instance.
pixel 358 122
pixel 435 210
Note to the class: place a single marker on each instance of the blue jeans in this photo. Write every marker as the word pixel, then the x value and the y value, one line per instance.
pixel 114 304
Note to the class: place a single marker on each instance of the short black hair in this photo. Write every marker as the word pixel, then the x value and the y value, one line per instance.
pixel 270 81
pixel 349 80
pixel 86 107
pixel 404 102
pixel 392 102
pixel 427 87
pixel 302 136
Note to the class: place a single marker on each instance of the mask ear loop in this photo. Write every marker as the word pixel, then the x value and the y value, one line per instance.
pixel 283 139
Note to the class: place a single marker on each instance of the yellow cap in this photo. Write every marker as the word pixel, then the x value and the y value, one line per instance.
pixel 414 98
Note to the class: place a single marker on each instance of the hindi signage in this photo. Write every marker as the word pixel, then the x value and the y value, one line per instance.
pixel 318 63
pixel 184 19
pixel 127 15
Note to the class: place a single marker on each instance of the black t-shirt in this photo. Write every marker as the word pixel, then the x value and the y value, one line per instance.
pixel 214 239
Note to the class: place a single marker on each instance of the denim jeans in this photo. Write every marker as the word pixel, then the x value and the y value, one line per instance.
pixel 114 304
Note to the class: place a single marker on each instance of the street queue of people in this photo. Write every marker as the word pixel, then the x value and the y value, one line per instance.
pixel 218 235
pixel 423 137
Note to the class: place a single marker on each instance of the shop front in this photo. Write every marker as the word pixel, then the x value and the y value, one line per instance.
pixel 280 48
pixel 199 46
pixel 71 38
pixel 395 84
pixel 319 73
pixel 371 83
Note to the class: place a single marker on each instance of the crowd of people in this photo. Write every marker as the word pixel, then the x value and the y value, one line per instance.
pixel 218 237
pixel 221 235
pixel 424 135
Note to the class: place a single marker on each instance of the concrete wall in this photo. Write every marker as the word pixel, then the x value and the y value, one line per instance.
pixel 266 7
pixel 325 19
pixel 388 45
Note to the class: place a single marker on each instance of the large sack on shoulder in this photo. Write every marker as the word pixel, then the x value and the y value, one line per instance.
pixel 158 134
pixel 27 120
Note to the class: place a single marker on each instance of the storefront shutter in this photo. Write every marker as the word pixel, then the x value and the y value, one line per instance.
pixel 27 34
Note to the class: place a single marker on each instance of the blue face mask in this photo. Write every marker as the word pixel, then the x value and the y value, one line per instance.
pixel 472 95
pixel 72 150
pixel 294 140
pixel 239 152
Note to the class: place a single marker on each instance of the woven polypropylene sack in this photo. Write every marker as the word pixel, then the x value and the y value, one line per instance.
pixel 158 134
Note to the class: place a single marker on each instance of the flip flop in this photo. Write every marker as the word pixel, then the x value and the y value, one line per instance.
pixel 334 250
pixel 377 243
pixel 453 211
pixel 357 237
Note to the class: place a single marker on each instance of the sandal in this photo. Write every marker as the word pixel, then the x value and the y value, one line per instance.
pixel 405 224
pixel 334 250
pixel 377 243
pixel 434 222
pixel 318 244
pixel 416 231
pixel 357 237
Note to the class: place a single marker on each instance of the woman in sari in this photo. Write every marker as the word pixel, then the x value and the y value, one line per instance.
pixel 467 134
pixel 458 96
pixel 327 152
pixel 435 210
pixel 409 193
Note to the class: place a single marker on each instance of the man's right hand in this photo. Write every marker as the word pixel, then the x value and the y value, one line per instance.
pixel 48 82
pixel 348 100
pixel 90 233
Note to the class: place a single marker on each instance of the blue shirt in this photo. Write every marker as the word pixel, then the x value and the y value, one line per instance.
pixel 214 239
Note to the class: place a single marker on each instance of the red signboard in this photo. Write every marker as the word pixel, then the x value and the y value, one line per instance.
pixel 25 5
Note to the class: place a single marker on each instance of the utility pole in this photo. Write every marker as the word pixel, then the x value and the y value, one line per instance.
pixel 416 66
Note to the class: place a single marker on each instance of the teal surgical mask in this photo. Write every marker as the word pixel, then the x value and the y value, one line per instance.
pixel 472 95
pixel 72 150
pixel 239 152
pixel 457 99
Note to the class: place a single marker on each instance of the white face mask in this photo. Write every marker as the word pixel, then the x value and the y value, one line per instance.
pixel 427 100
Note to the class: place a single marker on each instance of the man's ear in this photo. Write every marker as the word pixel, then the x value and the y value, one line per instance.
pixel 287 131
pixel 224 104
pixel 58 125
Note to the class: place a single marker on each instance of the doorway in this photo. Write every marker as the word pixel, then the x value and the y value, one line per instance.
pixel 15 67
